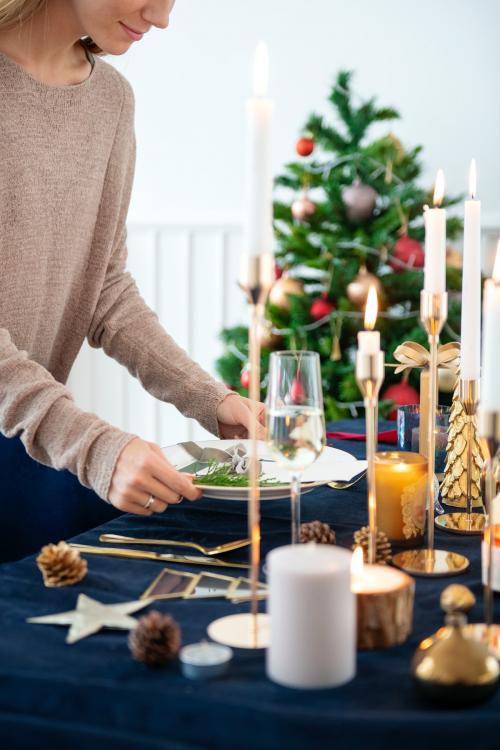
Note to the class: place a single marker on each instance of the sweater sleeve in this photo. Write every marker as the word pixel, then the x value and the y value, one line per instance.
pixel 123 324
pixel 53 429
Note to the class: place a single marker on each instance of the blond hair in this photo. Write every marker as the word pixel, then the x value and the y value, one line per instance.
pixel 13 12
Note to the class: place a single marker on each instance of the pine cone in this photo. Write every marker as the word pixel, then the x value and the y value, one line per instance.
pixel 156 640
pixel 318 532
pixel 383 552
pixel 61 565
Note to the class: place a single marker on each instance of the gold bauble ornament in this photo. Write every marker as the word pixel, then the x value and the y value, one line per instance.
pixel 268 339
pixel 454 259
pixel 357 290
pixel 303 208
pixel 278 296
pixel 447 380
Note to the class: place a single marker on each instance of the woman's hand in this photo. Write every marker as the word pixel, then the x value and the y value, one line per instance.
pixel 143 471
pixel 234 416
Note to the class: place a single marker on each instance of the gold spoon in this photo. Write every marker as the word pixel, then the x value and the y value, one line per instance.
pixel 220 549
pixel 346 485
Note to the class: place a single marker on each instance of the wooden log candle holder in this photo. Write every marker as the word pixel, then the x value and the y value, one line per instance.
pixel 384 603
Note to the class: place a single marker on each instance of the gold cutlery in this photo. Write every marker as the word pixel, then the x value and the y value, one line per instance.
pixel 158 556
pixel 218 550
pixel 346 485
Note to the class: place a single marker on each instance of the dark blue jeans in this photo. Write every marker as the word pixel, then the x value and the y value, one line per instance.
pixel 41 505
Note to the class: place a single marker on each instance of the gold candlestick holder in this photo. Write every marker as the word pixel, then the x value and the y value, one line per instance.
pixel 369 376
pixel 429 561
pixel 250 630
pixel 467 522
pixel 489 436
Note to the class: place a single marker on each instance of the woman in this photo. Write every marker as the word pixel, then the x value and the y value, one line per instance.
pixel 67 156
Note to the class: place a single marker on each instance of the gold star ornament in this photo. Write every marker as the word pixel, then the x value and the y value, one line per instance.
pixel 90 616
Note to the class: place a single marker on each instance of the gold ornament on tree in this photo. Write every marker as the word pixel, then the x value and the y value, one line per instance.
pixel 447 380
pixel 357 290
pixel 268 339
pixel 454 487
pixel 61 565
pixel 336 353
pixel 281 289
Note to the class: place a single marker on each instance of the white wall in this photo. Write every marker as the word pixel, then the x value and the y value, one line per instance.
pixel 435 60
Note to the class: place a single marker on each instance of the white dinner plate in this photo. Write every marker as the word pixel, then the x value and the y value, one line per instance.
pixel 332 465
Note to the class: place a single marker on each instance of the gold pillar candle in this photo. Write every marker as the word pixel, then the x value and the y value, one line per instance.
pixel 401 483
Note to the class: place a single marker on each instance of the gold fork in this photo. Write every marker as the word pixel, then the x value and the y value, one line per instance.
pixel 220 549
pixel 346 485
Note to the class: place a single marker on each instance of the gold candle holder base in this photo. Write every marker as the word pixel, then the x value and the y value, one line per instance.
pixel 469 524
pixel 238 631
pixel 432 563
pixel 250 630
pixel 489 436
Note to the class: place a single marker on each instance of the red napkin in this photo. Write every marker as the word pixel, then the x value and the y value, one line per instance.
pixel 386 436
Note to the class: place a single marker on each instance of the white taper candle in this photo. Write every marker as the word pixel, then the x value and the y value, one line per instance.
pixel 435 242
pixel 490 390
pixel 471 285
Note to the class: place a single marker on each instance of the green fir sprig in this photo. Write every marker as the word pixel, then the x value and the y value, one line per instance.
pixel 222 475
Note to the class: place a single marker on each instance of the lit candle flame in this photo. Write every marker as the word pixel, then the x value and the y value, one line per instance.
pixel 261 70
pixel 357 565
pixel 439 188
pixel 371 309
pixel 496 267
pixel 472 179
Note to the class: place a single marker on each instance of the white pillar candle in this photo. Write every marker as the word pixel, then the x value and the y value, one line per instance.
pixel 312 616
pixel 259 182
pixel 369 340
pixel 435 242
pixel 490 390
pixel 471 285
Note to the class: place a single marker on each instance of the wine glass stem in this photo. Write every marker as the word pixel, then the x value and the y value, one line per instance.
pixel 295 497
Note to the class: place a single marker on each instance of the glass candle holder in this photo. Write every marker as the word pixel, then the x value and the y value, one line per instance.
pixel 408 429
pixel 401 486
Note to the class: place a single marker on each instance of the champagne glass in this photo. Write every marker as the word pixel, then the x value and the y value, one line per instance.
pixel 295 418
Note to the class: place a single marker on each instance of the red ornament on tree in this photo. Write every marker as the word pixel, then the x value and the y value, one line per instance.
pixel 408 251
pixel 278 271
pixel 401 393
pixel 297 393
pixel 245 378
pixel 321 307
pixel 304 146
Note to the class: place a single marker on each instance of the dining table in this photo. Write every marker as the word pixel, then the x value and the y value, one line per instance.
pixel 92 694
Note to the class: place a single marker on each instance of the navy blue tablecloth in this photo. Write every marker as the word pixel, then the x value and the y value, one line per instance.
pixel 93 695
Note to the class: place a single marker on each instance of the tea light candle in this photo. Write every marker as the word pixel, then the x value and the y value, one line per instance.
pixel 401 484
pixel 384 603
pixel 204 660
pixel 312 616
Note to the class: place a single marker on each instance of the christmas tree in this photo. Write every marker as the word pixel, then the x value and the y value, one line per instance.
pixel 348 214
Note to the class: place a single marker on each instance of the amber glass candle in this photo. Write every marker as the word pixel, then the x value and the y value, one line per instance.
pixel 401 485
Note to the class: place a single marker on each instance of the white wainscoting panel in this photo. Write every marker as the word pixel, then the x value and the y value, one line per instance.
pixel 188 276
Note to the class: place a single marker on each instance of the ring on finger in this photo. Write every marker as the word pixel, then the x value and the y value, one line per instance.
pixel 149 503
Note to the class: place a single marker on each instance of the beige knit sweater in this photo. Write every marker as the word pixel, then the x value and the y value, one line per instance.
pixel 66 169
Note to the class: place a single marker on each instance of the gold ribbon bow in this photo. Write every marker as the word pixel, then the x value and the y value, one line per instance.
pixel 409 355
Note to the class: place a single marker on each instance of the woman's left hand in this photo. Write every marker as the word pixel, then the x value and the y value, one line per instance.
pixel 234 416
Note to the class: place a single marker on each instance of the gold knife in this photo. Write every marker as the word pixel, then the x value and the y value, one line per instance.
pixel 158 556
